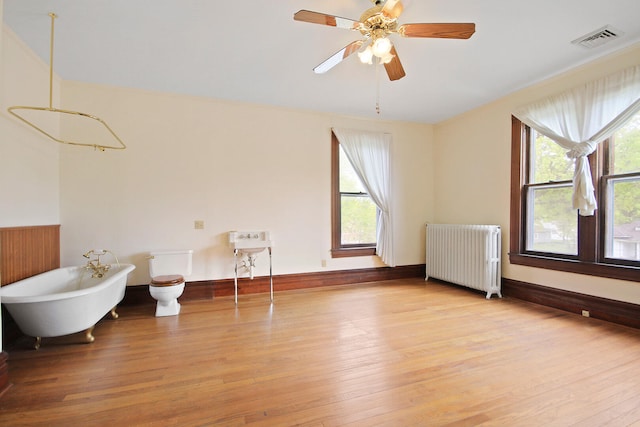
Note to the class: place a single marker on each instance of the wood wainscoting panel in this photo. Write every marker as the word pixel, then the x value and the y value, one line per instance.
pixel 27 251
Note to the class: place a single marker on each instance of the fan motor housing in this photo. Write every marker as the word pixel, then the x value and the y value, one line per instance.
pixel 374 23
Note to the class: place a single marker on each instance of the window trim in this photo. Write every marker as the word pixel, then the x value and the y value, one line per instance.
pixel 337 249
pixel 589 227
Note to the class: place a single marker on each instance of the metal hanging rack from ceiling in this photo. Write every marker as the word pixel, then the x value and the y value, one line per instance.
pixel 14 111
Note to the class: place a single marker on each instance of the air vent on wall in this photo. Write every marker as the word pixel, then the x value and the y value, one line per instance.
pixel 598 37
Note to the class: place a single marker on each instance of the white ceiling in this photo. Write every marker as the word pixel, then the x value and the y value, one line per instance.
pixel 253 50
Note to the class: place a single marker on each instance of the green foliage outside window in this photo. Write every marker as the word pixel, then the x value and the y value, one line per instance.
pixel 551 163
pixel 555 225
pixel 553 222
pixel 627 147
pixel 627 160
pixel 358 220
pixel 358 212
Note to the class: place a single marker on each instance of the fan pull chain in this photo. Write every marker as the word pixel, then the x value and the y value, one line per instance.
pixel 377 67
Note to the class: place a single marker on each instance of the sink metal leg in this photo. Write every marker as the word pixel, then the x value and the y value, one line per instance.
pixel 235 280
pixel 270 274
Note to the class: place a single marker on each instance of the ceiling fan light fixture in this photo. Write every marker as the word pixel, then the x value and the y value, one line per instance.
pixel 366 55
pixel 381 47
pixel 375 25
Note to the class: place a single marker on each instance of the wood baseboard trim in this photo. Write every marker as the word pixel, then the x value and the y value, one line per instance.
pixel 208 289
pixel 620 312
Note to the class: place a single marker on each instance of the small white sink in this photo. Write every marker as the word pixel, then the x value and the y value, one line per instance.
pixel 249 250
pixel 246 245
pixel 249 242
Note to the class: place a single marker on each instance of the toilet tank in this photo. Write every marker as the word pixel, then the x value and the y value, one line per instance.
pixel 162 263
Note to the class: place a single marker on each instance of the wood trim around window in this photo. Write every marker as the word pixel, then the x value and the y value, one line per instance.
pixel 337 250
pixel 519 136
pixel 588 227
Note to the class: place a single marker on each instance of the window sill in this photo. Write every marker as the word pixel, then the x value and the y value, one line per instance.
pixel 610 271
pixel 353 252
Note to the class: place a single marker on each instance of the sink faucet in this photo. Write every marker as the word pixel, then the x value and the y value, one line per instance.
pixel 94 264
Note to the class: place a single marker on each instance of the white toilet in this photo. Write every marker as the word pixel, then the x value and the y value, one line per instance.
pixel 167 270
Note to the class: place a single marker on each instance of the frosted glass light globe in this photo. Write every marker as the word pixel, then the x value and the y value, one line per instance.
pixel 366 55
pixel 381 47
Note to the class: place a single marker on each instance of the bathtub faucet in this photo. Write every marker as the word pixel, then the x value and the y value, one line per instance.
pixel 95 265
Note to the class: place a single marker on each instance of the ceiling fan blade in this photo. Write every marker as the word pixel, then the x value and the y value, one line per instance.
pixel 394 68
pixel 338 57
pixel 444 31
pixel 324 19
pixel 392 9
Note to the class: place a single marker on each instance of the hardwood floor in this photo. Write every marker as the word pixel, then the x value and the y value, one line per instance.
pixel 396 353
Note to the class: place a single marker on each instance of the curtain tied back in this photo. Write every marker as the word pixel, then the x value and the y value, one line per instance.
pixel 582 117
pixel 368 153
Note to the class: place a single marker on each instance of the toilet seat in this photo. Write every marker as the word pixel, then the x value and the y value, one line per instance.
pixel 169 280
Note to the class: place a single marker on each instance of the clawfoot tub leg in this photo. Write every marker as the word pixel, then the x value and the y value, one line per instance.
pixel 36 345
pixel 88 334
pixel 114 315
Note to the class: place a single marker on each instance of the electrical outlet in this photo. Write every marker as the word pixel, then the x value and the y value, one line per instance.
pixel 323 262
pixel 198 224
pixel 586 313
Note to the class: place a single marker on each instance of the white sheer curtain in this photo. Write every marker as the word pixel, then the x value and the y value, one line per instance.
pixel 582 117
pixel 369 155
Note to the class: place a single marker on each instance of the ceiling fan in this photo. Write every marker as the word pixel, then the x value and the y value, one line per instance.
pixel 375 25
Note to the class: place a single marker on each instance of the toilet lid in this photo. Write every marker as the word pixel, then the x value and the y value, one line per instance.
pixel 169 280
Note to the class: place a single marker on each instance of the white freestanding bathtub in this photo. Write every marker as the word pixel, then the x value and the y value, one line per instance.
pixel 64 301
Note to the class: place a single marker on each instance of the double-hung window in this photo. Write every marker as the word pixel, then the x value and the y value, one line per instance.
pixel 354 214
pixel 551 223
pixel 621 195
pixel 547 233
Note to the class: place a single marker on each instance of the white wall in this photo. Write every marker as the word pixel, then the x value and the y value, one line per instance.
pixel 29 190
pixel 239 166
pixel 29 170
pixel 236 166
pixel 473 173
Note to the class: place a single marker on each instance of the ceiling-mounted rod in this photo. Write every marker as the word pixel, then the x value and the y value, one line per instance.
pixel 13 110
pixel 53 18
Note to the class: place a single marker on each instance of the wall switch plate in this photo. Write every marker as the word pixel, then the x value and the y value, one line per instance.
pixel 198 224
